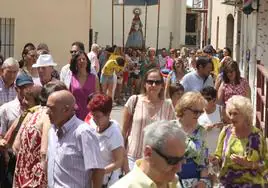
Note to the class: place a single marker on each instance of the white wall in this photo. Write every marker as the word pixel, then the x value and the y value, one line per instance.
pixel 222 11
pixel 262 36
pixel 57 23
pixel 172 19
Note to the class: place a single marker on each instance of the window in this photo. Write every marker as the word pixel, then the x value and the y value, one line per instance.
pixel 191 29
pixel 7 27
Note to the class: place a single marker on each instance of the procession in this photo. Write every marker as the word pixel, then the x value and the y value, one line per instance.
pixel 134 113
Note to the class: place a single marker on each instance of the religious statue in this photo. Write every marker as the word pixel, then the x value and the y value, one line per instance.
pixel 135 36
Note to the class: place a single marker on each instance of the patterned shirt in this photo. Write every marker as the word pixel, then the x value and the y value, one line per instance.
pixel 72 157
pixel 6 94
pixel 235 89
pixel 253 148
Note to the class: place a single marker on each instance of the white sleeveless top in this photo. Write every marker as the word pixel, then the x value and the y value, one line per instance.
pixel 212 135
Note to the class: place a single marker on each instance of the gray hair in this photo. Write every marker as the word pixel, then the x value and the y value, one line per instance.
pixel 10 62
pixel 95 47
pixel 157 134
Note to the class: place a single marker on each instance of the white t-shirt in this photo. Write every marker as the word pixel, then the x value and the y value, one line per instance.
pixel 109 140
pixel 212 135
pixel 193 82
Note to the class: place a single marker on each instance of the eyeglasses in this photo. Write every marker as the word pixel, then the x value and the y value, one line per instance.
pixel 73 51
pixel 196 112
pixel 170 160
pixel 156 82
pixel 32 55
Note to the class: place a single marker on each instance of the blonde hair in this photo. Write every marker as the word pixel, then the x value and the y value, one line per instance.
pixel 188 100
pixel 243 105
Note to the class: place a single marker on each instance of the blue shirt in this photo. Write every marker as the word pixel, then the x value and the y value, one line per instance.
pixel 71 157
pixel 193 82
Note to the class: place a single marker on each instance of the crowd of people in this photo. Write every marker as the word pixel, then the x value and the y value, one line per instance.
pixel 187 120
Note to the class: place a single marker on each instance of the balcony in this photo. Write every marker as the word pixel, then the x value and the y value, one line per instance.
pixel 233 2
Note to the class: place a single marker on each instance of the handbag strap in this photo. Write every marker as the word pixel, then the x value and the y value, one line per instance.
pixel 134 105
pixel 17 128
pixel 131 119
pixel 109 178
pixel 226 141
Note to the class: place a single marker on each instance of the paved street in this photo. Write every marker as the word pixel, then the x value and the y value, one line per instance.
pixel 117 114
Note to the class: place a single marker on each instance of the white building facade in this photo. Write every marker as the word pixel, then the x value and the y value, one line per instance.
pixel 171 23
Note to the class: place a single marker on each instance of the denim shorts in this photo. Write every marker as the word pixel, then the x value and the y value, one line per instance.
pixel 104 79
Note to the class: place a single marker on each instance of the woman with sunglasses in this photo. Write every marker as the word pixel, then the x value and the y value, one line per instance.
pixel 233 83
pixel 195 171
pixel 211 119
pixel 141 110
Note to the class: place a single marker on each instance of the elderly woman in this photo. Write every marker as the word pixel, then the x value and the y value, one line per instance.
pixel 195 171
pixel 81 82
pixel 241 147
pixel 233 83
pixel 109 136
pixel 141 110
pixel 31 99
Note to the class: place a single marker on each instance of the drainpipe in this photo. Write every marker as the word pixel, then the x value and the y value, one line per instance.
pixel 254 61
pixel 210 5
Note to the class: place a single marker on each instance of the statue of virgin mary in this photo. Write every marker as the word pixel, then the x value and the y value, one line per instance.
pixel 135 36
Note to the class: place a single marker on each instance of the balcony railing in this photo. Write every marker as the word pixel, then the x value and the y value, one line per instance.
pixel 232 2
pixel 262 99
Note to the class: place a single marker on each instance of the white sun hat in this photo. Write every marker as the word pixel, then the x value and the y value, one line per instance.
pixel 44 60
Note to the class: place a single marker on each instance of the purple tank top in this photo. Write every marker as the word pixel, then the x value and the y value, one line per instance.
pixel 81 94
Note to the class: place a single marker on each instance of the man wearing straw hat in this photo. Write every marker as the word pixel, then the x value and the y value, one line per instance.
pixel 44 65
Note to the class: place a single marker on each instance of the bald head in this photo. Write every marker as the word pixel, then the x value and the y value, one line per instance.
pixel 64 98
pixel 60 107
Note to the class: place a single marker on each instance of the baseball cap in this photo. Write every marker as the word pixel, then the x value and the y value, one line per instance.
pixel 23 79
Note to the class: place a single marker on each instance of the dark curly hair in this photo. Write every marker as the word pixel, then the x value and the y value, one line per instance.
pixel 27 47
pixel 74 60
pixel 101 103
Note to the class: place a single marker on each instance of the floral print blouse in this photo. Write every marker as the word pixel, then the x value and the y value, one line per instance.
pixel 253 148
pixel 196 147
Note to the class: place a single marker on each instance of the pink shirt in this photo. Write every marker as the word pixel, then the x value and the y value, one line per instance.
pixel 81 94
pixel 141 119
pixel 230 90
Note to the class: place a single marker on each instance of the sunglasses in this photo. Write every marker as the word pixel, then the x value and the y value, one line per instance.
pixel 73 51
pixel 170 160
pixel 156 82
pixel 196 112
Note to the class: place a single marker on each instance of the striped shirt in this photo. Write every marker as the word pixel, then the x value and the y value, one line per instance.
pixel 141 119
pixel 6 94
pixel 71 157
